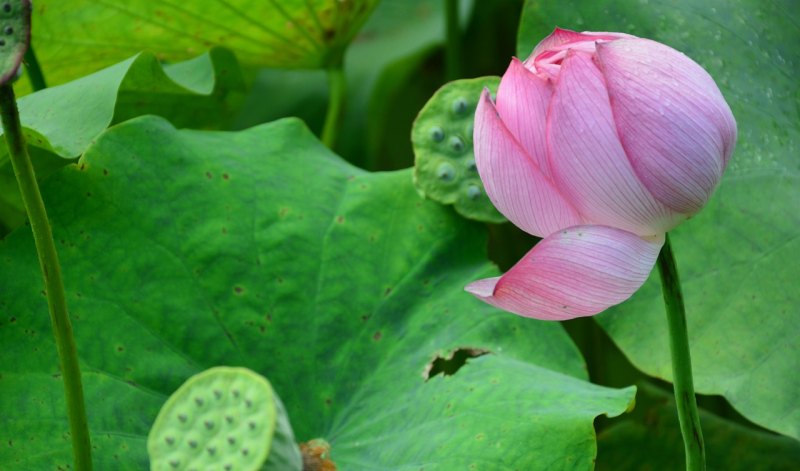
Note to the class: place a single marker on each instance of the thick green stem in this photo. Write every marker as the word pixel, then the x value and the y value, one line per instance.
pixel 337 85
pixel 452 55
pixel 681 361
pixel 35 74
pixel 54 286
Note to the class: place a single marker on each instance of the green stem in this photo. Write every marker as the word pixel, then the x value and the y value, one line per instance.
pixel 338 89
pixel 681 361
pixel 35 74
pixel 54 286
pixel 452 55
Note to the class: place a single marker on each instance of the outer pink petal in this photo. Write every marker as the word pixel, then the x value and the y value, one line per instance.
pixel 580 271
pixel 587 160
pixel 560 37
pixel 522 101
pixel 513 182
pixel 674 124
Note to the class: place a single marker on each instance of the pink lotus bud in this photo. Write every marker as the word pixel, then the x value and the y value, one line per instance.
pixel 599 143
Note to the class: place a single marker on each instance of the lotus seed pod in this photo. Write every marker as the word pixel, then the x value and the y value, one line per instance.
pixel 15 36
pixel 223 418
pixel 444 168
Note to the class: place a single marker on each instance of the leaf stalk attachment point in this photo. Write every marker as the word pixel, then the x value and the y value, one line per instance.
pixel 337 84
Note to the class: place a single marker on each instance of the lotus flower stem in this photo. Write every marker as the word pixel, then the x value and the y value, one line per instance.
pixel 337 84
pixel 51 272
pixel 35 74
pixel 681 361
pixel 452 55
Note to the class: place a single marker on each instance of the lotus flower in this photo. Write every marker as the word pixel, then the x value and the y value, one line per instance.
pixel 599 143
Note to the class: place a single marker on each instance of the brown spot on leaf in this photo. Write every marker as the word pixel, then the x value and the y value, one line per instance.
pixel 317 456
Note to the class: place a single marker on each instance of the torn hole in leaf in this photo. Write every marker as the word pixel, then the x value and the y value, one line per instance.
pixel 452 362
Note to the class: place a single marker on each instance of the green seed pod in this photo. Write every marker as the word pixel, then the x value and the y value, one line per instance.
pixel 444 168
pixel 15 36
pixel 223 418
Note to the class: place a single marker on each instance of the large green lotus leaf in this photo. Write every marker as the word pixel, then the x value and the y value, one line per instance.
pixel 60 122
pixel 274 33
pixel 188 249
pixel 653 431
pixel 384 57
pixel 737 258
pixel 199 92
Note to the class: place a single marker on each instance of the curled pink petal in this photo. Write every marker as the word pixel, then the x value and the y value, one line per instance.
pixel 560 36
pixel 522 101
pixel 513 182
pixel 672 120
pixel 587 160
pixel 576 272
pixel 546 58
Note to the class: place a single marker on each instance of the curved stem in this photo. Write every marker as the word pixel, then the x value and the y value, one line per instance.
pixel 338 89
pixel 51 272
pixel 452 55
pixel 681 361
pixel 35 74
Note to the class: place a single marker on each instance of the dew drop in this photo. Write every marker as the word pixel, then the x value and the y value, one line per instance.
pixel 9 30
pixel 209 424
pixel 470 164
pixel 2 42
pixel 7 7
pixel 182 418
pixel 199 401
pixel 446 172
pixel 456 144
pixel 211 450
pixel 460 106
pixel 192 444
pixel 437 134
